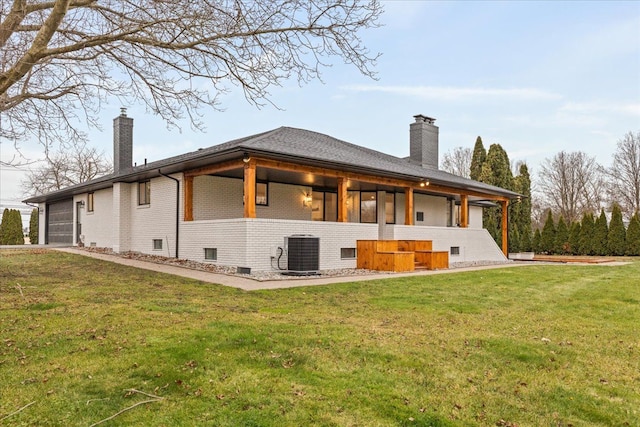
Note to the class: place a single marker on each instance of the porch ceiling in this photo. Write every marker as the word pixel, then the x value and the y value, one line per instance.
pixel 325 183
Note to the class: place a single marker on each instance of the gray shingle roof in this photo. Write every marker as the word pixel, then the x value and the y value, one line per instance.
pixel 296 145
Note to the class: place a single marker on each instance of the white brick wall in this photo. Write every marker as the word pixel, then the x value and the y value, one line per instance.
pixel 156 220
pixel 97 226
pixel 475 244
pixel 251 242
pixel 217 197
pixel 121 217
pixel 475 217
pixel 42 219
pixel 285 202
pixel 434 208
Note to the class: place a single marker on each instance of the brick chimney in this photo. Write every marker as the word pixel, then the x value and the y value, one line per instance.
pixel 423 142
pixel 122 142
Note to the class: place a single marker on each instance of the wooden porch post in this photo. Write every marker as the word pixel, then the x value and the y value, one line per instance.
pixel 408 206
pixel 505 227
pixel 188 198
pixel 464 211
pixel 250 189
pixel 342 199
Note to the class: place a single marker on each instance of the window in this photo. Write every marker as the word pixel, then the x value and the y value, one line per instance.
pixel 455 250
pixel 331 206
pixel 90 202
pixel 262 194
pixel 353 206
pixel 317 206
pixel 368 209
pixel 390 208
pixel 210 254
pixel 157 244
pixel 144 193
pixel 347 253
pixel 419 216
pixel 324 206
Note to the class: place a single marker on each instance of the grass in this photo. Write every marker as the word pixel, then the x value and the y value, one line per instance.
pixel 540 345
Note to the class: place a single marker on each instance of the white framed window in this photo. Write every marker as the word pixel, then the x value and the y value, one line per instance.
pixel 144 193
pixel 157 244
pixel 90 202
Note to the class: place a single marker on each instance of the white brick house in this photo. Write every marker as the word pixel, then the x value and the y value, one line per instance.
pixel 235 203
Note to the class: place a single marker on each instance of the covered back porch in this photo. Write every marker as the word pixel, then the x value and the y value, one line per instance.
pixel 257 201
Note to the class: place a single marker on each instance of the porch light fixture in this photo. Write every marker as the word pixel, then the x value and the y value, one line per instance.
pixel 246 158
pixel 424 183
pixel 306 201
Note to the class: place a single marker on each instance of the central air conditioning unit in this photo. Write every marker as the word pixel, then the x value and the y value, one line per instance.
pixel 303 254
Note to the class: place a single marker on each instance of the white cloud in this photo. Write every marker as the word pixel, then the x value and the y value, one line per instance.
pixel 448 93
pixel 601 107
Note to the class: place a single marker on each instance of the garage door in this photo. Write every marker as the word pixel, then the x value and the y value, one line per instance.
pixel 60 222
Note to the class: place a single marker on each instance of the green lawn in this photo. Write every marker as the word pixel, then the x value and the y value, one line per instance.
pixel 532 346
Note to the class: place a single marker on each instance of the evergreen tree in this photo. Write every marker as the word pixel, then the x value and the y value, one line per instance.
pixel 633 236
pixel 496 170
pixel 535 242
pixel 616 239
pixel 548 236
pixel 600 232
pixel 514 239
pixel 574 239
pixel 562 238
pixel 478 159
pixel 522 209
pixel 4 226
pixel 11 228
pixel 586 234
pixel 33 227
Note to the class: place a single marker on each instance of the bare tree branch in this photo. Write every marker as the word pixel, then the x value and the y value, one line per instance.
pixel 458 162
pixel 624 174
pixel 570 184
pixel 61 60
pixel 64 168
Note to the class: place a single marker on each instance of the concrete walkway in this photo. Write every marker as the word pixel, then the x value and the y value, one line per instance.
pixel 252 285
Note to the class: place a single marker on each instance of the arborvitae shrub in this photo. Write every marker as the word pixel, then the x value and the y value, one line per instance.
pixel 633 236
pixel 562 238
pixel 600 232
pixel 33 227
pixel 617 237
pixel 548 236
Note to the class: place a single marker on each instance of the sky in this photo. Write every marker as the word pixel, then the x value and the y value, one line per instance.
pixel 536 77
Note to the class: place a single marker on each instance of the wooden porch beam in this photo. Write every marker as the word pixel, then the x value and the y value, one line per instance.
pixel 464 211
pixel 218 167
pixel 408 206
pixel 505 227
pixel 188 198
pixel 331 173
pixel 342 199
pixel 250 189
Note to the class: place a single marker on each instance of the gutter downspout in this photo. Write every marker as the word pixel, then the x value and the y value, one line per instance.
pixel 177 208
